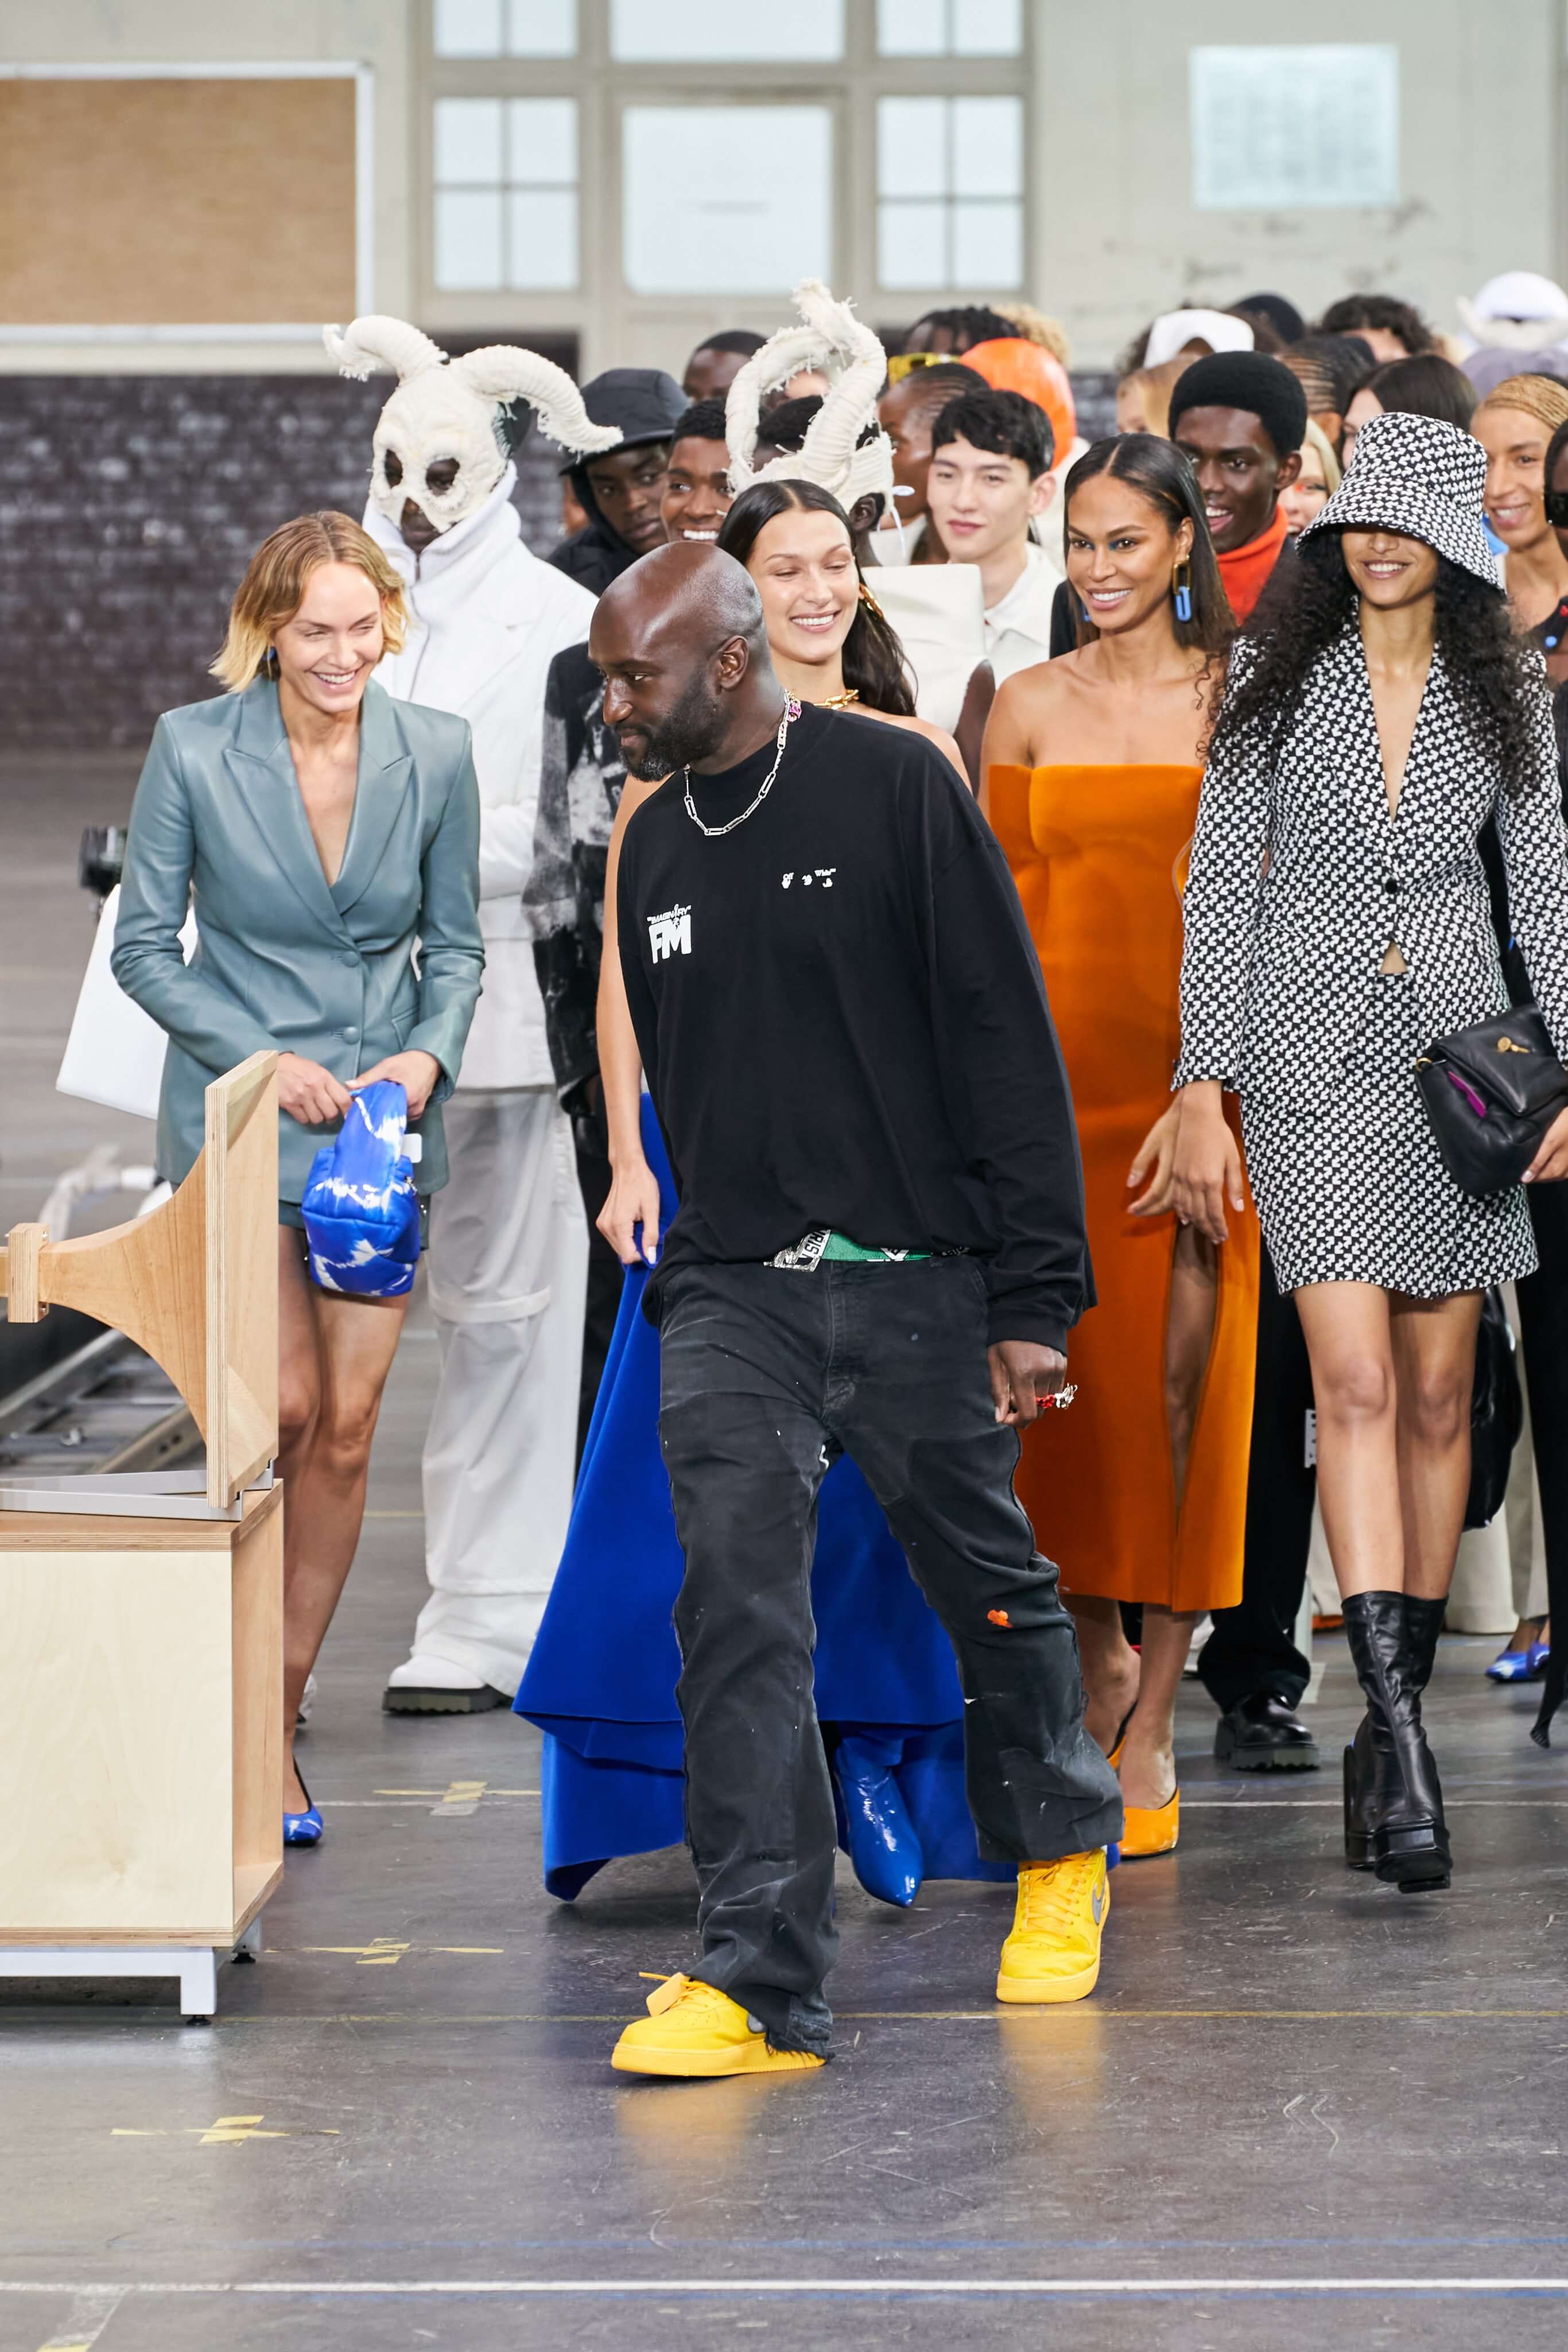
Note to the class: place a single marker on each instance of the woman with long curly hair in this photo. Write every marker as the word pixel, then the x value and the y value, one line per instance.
pixel 1092 765
pixel 1380 710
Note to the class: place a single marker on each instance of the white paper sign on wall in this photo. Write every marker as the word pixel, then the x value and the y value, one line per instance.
pixel 1281 127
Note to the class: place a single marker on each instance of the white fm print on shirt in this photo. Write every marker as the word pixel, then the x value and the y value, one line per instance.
pixel 669 934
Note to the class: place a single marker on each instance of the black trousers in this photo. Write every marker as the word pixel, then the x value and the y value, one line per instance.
pixel 1253 1647
pixel 767 1376
pixel 1543 1332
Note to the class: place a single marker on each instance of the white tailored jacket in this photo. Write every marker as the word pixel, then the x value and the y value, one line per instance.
pixel 487 620
pixel 1299 880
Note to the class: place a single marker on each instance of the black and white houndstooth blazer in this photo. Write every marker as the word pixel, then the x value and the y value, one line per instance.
pixel 1299 880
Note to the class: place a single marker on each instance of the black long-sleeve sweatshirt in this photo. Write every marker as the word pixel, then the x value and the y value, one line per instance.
pixel 841 1015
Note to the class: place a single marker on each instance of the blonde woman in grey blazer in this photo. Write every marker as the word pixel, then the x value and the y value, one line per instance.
pixel 322 829
pixel 1379 713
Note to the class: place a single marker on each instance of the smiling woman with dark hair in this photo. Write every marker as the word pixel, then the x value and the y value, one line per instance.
pixel 1092 764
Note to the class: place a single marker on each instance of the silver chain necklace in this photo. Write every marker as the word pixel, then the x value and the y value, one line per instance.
pixel 713 832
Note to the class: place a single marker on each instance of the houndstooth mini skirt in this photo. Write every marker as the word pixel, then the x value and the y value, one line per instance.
pixel 1355 1190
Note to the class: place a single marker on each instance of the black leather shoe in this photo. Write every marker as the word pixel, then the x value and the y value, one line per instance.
pixel 1371 1780
pixel 1260 1734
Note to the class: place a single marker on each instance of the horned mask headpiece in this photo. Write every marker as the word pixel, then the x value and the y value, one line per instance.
pixel 829 337
pixel 438 440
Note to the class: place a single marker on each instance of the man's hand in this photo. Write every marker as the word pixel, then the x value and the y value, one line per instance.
pixel 1022 1372
pixel 1550 1165
pixel 633 1202
pixel 308 1092
pixel 415 1071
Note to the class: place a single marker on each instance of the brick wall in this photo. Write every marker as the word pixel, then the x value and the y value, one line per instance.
pixel 129 508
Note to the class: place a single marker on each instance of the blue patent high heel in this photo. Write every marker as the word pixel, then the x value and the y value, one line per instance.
pixel 884 1847
pixel 302 1829
pixel 1520 1666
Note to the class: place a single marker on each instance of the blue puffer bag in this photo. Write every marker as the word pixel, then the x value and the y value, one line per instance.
pixel 360 1209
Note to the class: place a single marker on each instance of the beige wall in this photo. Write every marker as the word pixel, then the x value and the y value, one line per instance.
pixel 1117 238
pixel 374 33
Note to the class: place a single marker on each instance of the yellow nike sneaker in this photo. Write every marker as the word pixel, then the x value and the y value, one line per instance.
pixel 692 2028
pixel 1053 1952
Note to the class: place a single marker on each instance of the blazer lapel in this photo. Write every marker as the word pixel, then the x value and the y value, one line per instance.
pixel 1351 688
pixel 384 769
pixel 261 767
pixel 1436 700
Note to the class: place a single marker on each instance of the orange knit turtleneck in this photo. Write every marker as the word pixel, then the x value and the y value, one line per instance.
pixel 1246 569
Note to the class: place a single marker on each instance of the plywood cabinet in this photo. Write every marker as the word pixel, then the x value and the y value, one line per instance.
pixel 141 1727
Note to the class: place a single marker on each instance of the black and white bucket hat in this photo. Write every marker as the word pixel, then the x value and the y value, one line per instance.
pixel 1419 476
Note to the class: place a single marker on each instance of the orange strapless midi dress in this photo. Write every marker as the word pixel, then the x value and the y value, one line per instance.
pixel 1099 855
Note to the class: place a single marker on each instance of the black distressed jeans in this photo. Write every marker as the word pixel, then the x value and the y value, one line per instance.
pixel 768 1376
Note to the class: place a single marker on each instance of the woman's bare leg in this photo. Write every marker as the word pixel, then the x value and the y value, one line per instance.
pixel 1148 1766
pixel 1434 1372
pixel 1350 1339
pixel 1110 1665
pixel 334 1357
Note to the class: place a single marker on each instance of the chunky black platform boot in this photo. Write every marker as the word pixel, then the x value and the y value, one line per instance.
pixel 1394 1804
pixel 1370 1782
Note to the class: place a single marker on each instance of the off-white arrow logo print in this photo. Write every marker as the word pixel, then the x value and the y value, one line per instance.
pixel 789 878
pixel 669 934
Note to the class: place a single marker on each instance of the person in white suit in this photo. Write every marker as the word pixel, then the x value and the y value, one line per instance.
pixel 508 1242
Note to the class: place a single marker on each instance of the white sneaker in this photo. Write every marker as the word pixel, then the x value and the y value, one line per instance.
pixel 427 1685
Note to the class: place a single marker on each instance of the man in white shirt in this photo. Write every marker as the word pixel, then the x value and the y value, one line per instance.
pixel 990 478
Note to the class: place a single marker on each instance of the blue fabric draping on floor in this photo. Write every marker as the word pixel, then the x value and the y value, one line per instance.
pixel 601 1681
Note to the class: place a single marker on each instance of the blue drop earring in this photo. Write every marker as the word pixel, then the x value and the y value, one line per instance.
pixel 1182 580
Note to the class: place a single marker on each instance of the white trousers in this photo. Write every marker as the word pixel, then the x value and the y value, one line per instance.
pixel 508 1274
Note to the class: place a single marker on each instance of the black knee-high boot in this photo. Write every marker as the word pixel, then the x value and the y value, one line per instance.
pixel 1394 1804
pixel 1370 1780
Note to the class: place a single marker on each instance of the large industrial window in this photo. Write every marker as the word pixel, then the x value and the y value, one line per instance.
pixel 717 32
pixel 949 190
pixel 726 199
pixel 506 193
pixel 506 28
pixel 950 28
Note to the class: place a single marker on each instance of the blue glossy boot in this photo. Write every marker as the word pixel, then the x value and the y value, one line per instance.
pixel 883 1845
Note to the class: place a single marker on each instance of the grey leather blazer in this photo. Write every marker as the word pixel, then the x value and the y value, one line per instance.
pixel 1300 878
pixel 284 958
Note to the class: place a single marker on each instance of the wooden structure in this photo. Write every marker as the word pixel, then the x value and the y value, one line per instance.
pixel 142 1626
pixel 195 1284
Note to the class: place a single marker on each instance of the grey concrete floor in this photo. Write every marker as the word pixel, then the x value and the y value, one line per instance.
pixel 1291 2080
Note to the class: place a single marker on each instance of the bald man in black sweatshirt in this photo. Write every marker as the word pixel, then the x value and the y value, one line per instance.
pixel 880 1250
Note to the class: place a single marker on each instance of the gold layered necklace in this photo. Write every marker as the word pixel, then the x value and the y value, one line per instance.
pixel 840 701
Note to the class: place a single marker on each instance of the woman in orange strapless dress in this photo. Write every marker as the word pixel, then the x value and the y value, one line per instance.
pixel 1092 764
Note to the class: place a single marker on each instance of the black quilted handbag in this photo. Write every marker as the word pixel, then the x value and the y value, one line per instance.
pixel 1492 1091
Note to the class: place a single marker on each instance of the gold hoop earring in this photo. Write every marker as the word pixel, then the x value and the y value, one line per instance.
pixel 870 601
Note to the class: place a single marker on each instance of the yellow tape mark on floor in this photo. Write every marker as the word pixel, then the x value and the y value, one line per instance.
pixel 381 1952
pixel 385 1951
pixel 224 2131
